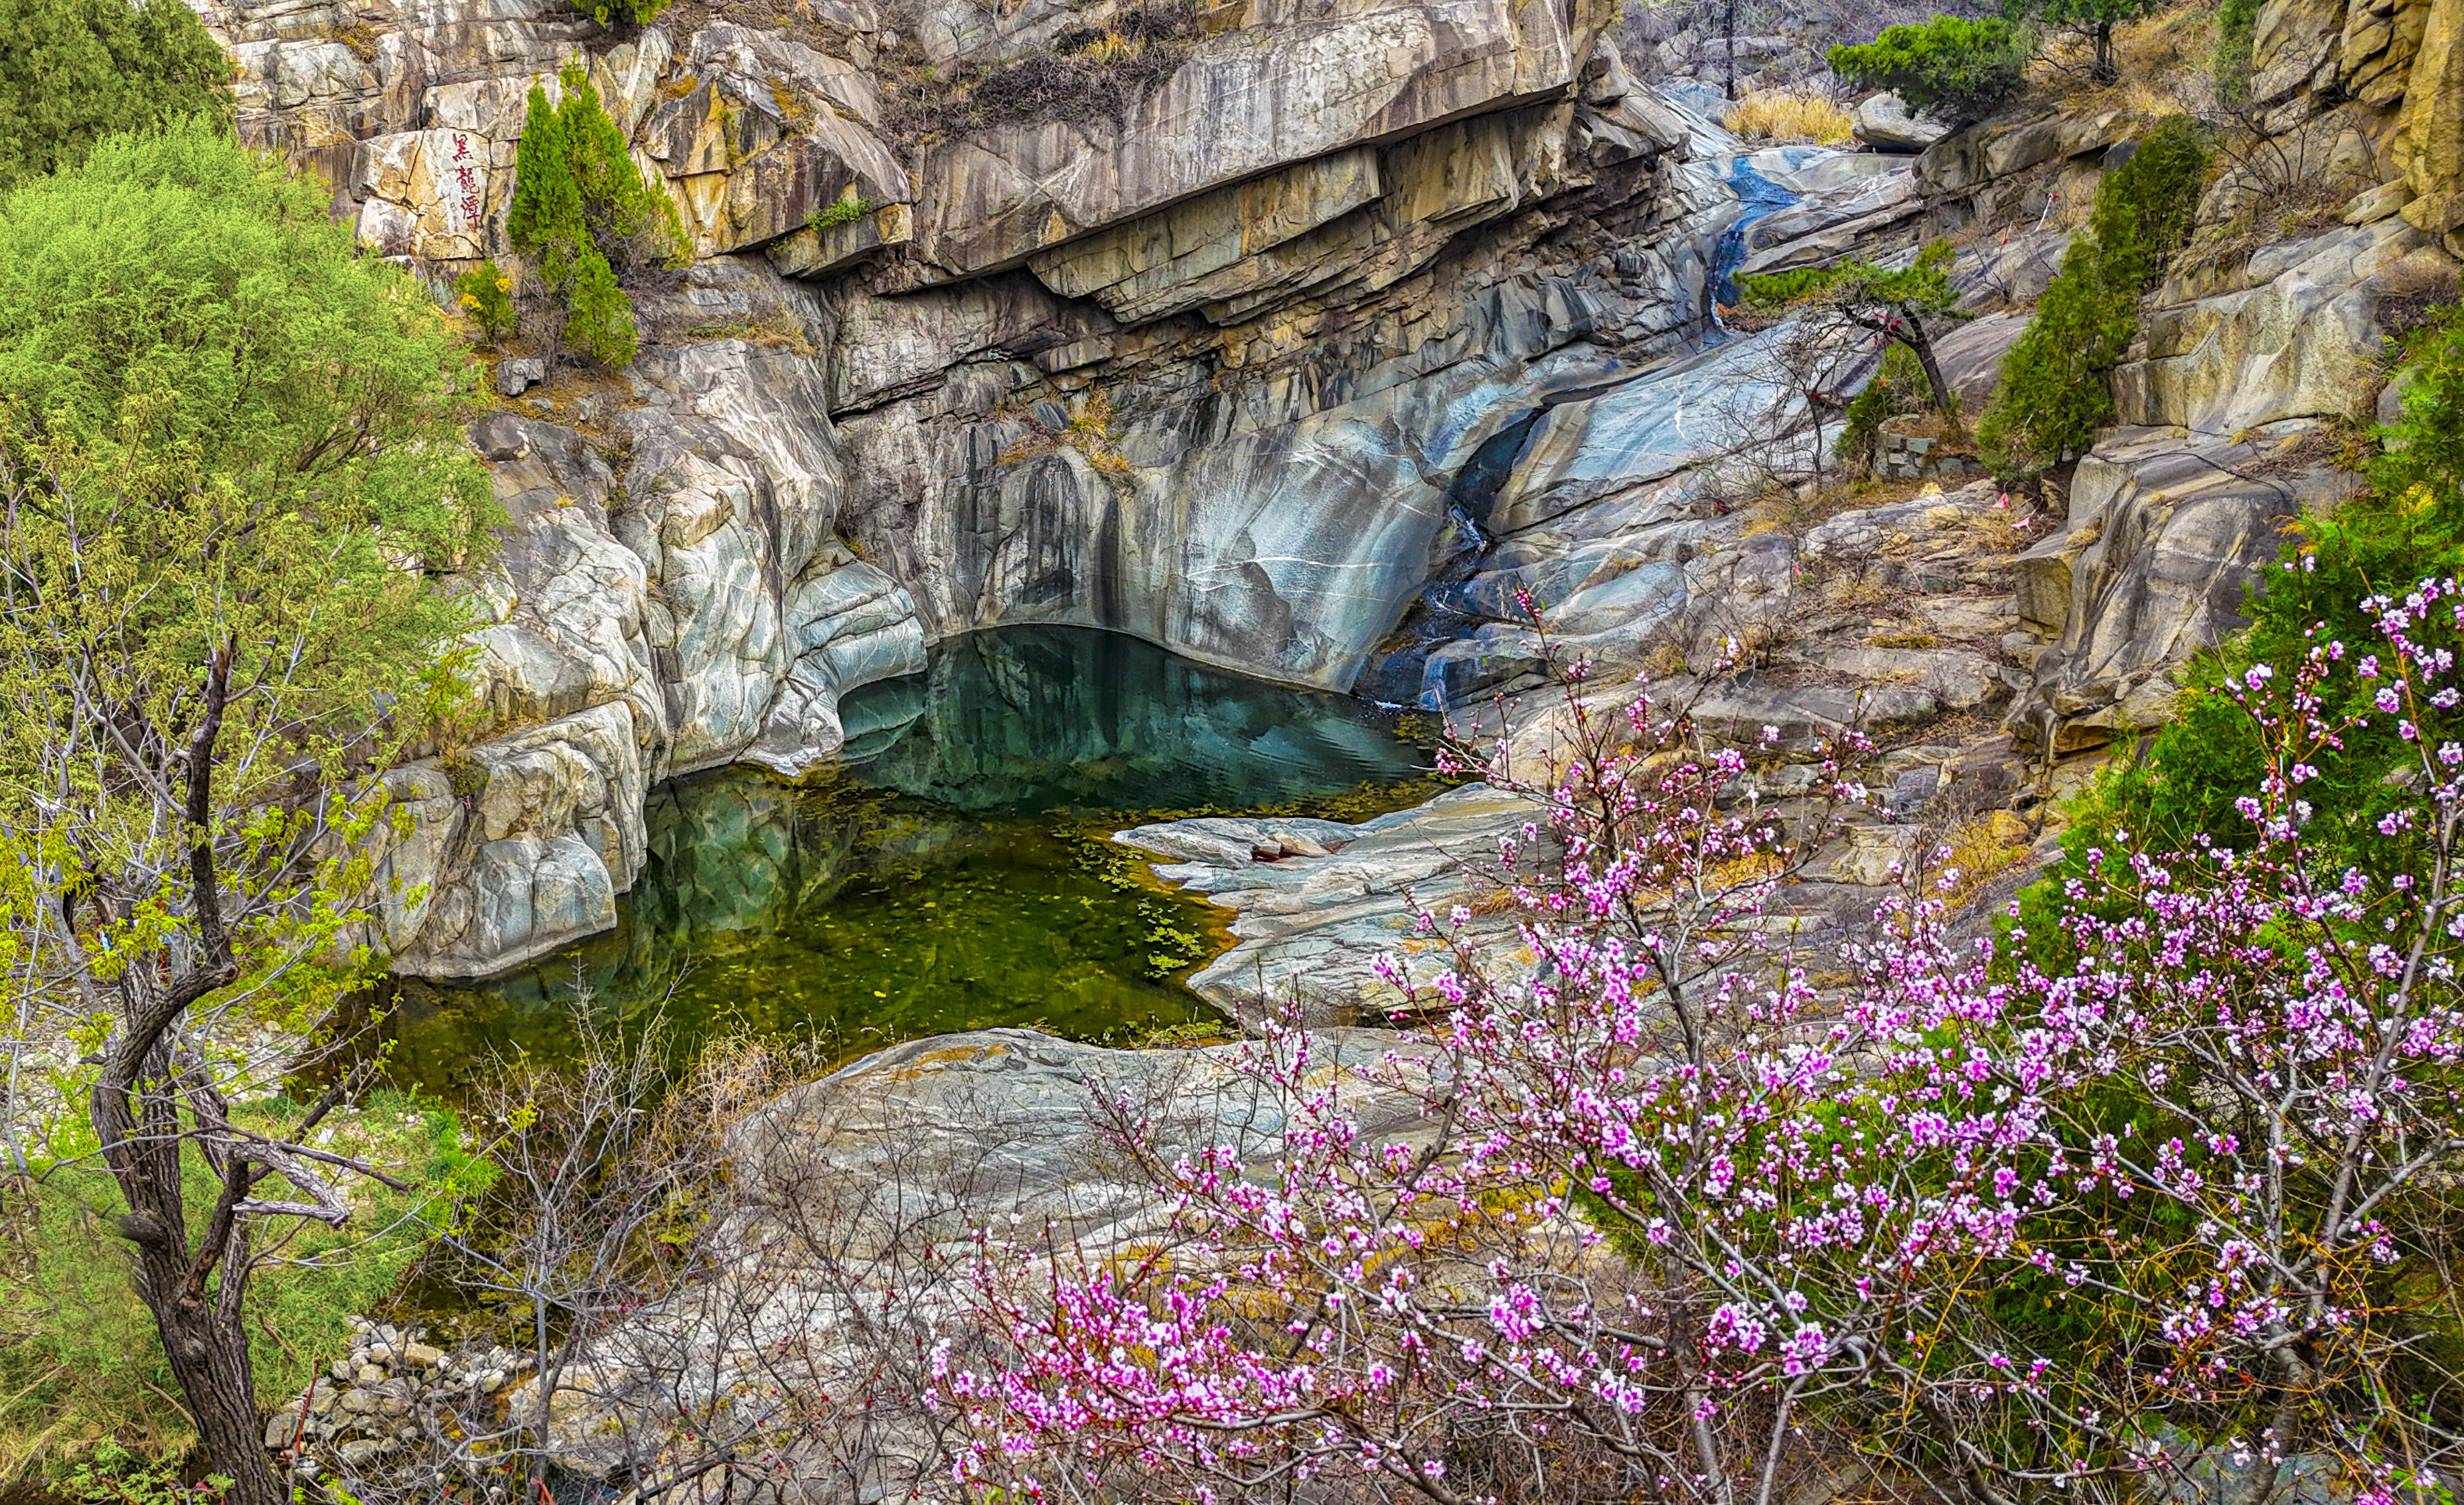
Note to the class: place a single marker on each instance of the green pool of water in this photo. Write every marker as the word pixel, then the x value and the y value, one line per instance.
pixel 955 874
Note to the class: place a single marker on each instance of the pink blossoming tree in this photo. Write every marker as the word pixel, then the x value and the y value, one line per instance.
pixel 1688 1217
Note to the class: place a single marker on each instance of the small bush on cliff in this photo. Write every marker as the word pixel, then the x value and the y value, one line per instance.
pixel 630 220
pixel 545 222
pixel 585 213
pixel 2237 27
pixel 73 71
pixel 486 292
pixel 624 12
pixel 2056 386
pixel 1951 68
pixel 599 317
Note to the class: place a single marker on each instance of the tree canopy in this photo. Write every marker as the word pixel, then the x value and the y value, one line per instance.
pixel 1950 67
pixel 230 459
pixel 74 70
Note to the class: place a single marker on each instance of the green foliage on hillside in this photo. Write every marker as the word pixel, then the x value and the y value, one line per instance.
pixel 178 296
pixel 2236 27
pixel 2057 385
pixel 74 71
pixel 1955 69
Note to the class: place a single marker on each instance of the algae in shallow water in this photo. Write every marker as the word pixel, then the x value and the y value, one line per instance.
pixel 959 876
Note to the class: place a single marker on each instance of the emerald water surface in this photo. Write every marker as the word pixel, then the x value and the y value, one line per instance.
pixel 956 873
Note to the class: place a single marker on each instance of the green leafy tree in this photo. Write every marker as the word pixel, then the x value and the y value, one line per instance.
pixel 231 460
pixel 73 71
pixel 1952 68
pixel 600 317
pixel 2056 386
pixel 1904 307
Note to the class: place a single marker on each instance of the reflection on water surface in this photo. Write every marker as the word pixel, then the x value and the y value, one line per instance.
pixel 956 873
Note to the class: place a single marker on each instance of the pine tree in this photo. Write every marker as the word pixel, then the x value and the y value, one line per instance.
pixel 74 71
pixel 546 223
pixel 601 321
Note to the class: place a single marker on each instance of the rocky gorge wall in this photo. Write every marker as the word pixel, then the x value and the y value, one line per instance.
pixel 1340 317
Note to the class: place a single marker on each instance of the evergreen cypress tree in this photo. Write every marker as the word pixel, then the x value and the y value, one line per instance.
pixel 545 223
pixel 615 202
pixel 74 71
pixel 601 321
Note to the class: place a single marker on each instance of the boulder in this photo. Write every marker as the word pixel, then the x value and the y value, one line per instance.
pixel 2291 335
pixel 1885 123
pixel 2167 535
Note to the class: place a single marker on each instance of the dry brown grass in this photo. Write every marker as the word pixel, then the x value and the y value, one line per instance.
pixel 2164 63
pixel 1789 115
pixel 1983 848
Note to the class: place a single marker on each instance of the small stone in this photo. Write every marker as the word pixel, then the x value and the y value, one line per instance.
pixel 357 1401
pixel 371 1374
pixel 324 1400
pixel 518 374
pixel 587 410
pixel 422 1356
pixel 355 1454
pixel 393 1406
pixel 341 1371
pixel 280 1429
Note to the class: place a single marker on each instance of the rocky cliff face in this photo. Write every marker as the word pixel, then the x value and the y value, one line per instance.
pixel 1258 330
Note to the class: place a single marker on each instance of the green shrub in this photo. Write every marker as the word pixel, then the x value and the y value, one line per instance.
pixel 847 208
pixel 486 292
pixel 583 211
pixel 2056 386
pixel 1952 68
pixel 1898 387
pixel 624 12
pixel 629 221
pixel 598 320
pixel 74 71
pixel 545 222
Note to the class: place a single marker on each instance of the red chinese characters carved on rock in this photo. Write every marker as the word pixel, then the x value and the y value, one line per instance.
pixel 466 176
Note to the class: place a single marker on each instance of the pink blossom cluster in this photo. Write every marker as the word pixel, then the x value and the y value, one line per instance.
pixel 1684 1208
